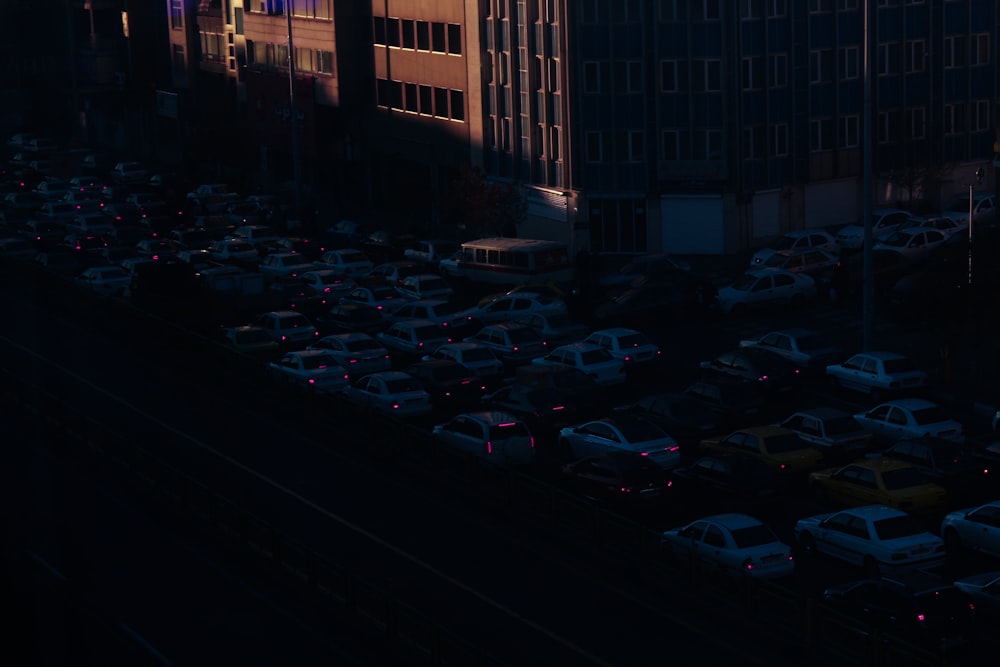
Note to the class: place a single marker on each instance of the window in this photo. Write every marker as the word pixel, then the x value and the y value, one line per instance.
pixel 628 146
pixel 849 132
pixel 595 146
pixel 954 118
pixel 915 55
pixel 821 66
pixel 710 10
pixel 177 14
pixel 668 76
pixel 625 11
pixel 849 62
pixel 980 49
pixel 751 9
pixel 633 77
pixel 820 6
pixel 457 105
pixel 954 51
pixel 454 39
pixel 775 8
pixel 982 119
pixel 753 72
pixel 670 145
pixel 708 75
pixel 707 145
pixel 392 31
pixel 754 147
pixel 426 96
pixel 437 38
pixel 889 58
pixel 821 134
pixel 917 128
pixel 594 76
pixel 324 62
pixel 423 36
pixel 409 34
pixel 778 139
pixel 778 70
pixel 847 5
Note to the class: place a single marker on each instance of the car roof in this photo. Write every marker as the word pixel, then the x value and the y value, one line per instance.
pixel 911 403
pixel 391 375
pixel 822 412
pixel 872 512
pixel 881 464
pixel 881 354
pixel 616 331
pixel 491 417
pixel 733 520
pixel 579 345
pixel 309 353
pixel 765 431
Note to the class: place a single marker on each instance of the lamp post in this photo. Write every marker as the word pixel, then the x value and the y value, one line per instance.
pixel 972 203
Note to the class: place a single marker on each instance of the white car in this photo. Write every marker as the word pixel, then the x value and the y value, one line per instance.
pixel 312 369
pixel 383 297
pixel 735 543
pixel 413 337
pixel 983 209
pixel 496 436
pixel 327 281
pixel 357 352
pixel 877 372
pixel 445 313
pixel 875 537
pixel 556 328
pixel 592 359
pixel 425 286
pixel 797 239
pixel 631 346
pixel 806 348
pixel 106 280
pixel 910 418
pixel 627 432
pixel 883 221
pixel 974 528
pixel 284 265
pixel 351 261
pixel 915 243
pixel 760 288
pixel 233 250
pixel 391 393
pixel 478 358
pixel 511 306
pixel 288 327
pixel 831 429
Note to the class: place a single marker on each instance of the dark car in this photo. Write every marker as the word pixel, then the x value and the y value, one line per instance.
pixel 544 410
pixel 450 384
pixel 771 371
pixel 736 402
pixel 679 297
pixel 683 416
pixel 847 277
pixel 944 462
pixel 727 482
pixel 622 477
pixel 912 605
pixel 346 317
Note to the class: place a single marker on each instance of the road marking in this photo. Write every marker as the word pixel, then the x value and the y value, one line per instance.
pixel 141 641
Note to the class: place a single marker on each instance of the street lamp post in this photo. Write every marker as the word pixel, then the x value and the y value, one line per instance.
pixel 972 203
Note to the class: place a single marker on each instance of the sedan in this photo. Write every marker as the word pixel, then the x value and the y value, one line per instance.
pixel 105 280
pixel 511 306
pixel 734 543
pixel 546 410
pixel 449 383
pixel 877 373
pixel 770 370
pixel 390 393
pixel 727 481
pixel 383 297
pixel 875 537
pixel 411 339
pixel 630 345
pixel 554 328
pixel 592 359
pixel 915 244
pixel 832 430
pixel 478 358
pixel 632 434
pixel 424 286
pixel 311 369
pixel 762 288
pixel 356 351
pixel 910 418
pixel 881 482
pixel 974 528
pixel 984 591
pixel 493 435
pixel 328 282
pixel 780 448
pixel 681 415
pixel 618 477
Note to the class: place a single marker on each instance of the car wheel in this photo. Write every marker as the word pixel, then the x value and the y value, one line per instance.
pixel 871 567
pixel 807 544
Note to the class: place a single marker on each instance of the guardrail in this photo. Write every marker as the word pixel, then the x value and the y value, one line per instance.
pixel 824 633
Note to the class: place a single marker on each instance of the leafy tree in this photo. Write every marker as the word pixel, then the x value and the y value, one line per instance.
pixel 484 207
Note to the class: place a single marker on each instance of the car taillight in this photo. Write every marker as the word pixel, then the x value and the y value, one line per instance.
pixel 748 564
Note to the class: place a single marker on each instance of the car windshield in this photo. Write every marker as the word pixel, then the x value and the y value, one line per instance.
pixel 902 478
pixel 778 260
pixel 596 356
pixel 841 425
pixel 362 345
pixel 402 385
pixel 896 527
pixel 783 443
pixel 640 430
pixel 744 283
pixel 897 240
pixel 930 415
pixel 752 536
pixel 317 361
pixel 902 365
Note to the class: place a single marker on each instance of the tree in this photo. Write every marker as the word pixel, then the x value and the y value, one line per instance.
pixel 484 207
pixel 922 185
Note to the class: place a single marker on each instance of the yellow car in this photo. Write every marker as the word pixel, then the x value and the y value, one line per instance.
pixel 781 448
pixel 879 481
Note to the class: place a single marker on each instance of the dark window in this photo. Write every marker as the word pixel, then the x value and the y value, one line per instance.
pixel 454 38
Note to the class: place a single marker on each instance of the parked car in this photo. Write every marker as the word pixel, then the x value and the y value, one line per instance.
pixel 451 385
pixel 916 244
pixel 808 349
pixel 877 538
pixel 251 339
pixel 129 172
pixel 780 448
pixel 734 402
pixel 284 264
pixel 727 482
pixel 910 418
pixel 818 264
pixel 479 358
pixel 411 339
pixel 348 317
pixel 847 278
pixel 329 282
pixel 764 288
pixel 883 220
pixel 983 209
pixel 914 606
pixel 446 313
pixel 632 346
pixel 316 370
pixel 974 528
pixel 880 482
pixel 555 328
pixel 736 543
pixel 944 462
pixel 288 327
pixel 425 286
pixel 495 436
pixel 652 266
pixel 681 415
pixel 390 393
pixel 393 273
pixel 358 352
pixel 350 261
pixel 796 240
pixel 618 478
pixel 984 591
pixel 429 252
pixel 382 297
pixel 544 410
pixel 233 250
pixel 509 307
pixel 877 373
pixel 771 371
pixel 104 280
pixel 511 343
pixel 629 433
pixel 592 359
pixel 834 431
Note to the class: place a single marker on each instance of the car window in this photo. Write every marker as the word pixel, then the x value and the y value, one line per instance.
pixel 782 280
pixel 714 537
pixel 896 416
pixel 896 527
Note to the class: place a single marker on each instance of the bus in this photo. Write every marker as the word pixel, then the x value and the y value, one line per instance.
pixel 511 261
